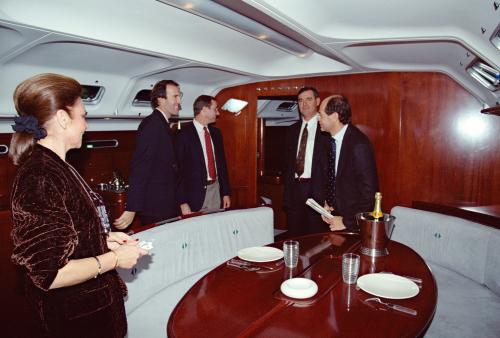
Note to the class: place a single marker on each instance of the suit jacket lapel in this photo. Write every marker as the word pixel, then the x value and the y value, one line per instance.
pixel 198 147
pixel 346 141
pixel 317 148
pixel 295 134
pixel 159 115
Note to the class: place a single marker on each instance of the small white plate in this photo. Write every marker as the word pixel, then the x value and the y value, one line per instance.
pixel 388 285
pixel 299 288
pixel 260 254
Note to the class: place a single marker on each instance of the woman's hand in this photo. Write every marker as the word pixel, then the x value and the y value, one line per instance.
pixel 115 239
pixel 127 255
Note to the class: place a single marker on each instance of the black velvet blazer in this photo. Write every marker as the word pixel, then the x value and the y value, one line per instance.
pixel 54 221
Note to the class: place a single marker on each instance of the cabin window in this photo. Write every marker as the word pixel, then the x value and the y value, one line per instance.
pixel 287 106
pixel 92 94
pixel 142 98
pixel 485 74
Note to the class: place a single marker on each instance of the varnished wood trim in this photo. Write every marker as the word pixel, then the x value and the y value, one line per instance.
pixel 492 111
pixel 483 215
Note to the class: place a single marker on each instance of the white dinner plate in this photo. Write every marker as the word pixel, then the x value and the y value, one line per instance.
pixel 299 288
pixel 388 285
pixel 260 254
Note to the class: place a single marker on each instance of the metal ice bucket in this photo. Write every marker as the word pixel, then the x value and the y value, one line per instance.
pixel 375 234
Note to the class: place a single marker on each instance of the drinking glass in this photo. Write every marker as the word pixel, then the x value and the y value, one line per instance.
pixel 291 253
pixel 350 267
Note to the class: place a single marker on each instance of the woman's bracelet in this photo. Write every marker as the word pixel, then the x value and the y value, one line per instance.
pixel 116 262
pixel 99 266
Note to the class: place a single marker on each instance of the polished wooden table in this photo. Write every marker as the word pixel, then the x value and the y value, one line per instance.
pixel 230 302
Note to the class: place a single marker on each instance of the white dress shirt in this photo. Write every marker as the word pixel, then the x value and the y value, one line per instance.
pixel 201 134
pixel 339 137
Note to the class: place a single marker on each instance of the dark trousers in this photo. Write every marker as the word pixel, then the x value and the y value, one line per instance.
pixel 301 219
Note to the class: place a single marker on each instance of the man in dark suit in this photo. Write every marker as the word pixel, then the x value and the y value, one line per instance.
pixel 304 167
pixel 153 171
pixel 203 180
pixel 353 180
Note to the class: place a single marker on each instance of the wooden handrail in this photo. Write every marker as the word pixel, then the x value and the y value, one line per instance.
pixel 485 214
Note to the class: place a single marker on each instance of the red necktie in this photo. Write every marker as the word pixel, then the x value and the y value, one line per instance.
pixel 210 155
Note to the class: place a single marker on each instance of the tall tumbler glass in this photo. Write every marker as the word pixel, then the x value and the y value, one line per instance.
pixel 350 268
pixel 291 253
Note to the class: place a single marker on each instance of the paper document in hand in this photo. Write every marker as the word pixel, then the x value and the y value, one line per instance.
pixel 318 208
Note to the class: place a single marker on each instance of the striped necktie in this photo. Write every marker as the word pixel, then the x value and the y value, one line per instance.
pixel 301 156
pixel 330 189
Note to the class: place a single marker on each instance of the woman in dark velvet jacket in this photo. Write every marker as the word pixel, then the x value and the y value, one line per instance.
pixel 60 242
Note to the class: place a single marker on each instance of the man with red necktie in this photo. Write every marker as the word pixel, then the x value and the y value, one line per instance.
pixel 203 182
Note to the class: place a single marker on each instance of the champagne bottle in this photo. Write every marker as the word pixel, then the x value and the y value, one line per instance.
pixel 377 209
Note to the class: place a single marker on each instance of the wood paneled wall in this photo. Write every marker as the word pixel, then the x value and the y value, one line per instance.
pixel 240 145
pixel 431 142
pixel 95 165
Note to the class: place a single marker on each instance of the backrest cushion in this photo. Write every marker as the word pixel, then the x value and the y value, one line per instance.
pixel 451 242
pixel 185 247
pixel 492 271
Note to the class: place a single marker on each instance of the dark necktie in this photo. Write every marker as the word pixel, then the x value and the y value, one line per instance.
pixel 210 155
pixel 299 162
pixel 330 189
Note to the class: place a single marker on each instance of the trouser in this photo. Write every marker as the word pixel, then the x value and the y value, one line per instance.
pixel 301 219
pixel 212 197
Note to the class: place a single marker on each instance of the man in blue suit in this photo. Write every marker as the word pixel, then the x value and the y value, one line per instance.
pixel 203 182
pixel 153 171
pixel 354 180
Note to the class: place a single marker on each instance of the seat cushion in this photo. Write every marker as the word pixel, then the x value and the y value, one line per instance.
pixel 151 318
pixel 465 308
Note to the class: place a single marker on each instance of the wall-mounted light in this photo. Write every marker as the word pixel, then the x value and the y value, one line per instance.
pixel 220 14
pixel 235 106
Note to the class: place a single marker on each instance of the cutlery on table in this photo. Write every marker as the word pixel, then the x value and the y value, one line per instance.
pixel 416 280
pixel 248 264
pixel 392 306
pixel 243 267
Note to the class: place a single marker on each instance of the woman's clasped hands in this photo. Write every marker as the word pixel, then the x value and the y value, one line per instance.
pixel 126 249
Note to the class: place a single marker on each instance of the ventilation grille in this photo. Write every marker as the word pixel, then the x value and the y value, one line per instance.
pixel 485 74
pixel 98 144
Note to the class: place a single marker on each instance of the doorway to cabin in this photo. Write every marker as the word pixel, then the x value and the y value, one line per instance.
pixel 274 115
